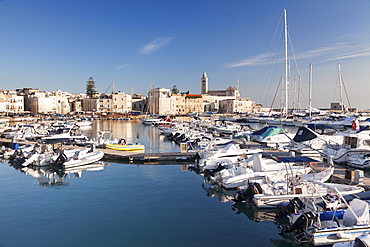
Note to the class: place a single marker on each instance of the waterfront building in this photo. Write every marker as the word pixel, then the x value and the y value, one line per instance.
pixel 138 102
pixel 238 105
pixel 115 103
pixel 75 102
pixel 159 101
pixel 56 102
pixel 162 102
pixel 10 102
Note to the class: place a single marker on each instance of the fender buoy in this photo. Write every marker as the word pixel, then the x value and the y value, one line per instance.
pixel 354 125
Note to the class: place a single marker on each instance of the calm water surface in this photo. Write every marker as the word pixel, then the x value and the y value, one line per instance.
pixel 126 205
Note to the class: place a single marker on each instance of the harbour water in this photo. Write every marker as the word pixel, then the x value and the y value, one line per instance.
pixel 126 205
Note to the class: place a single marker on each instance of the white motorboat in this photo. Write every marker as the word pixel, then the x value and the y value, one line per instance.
pixel 229 128
pixel 73 158
pixel 227 150
pixel 256 167
pixel 354 143
pixel 361 161
pixel 329 227
pixel 83 123
pixel 269 193
pixel 309 141
pixel 63 134
pixel 274 136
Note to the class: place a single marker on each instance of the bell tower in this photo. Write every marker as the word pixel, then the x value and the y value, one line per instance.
pixel 204 83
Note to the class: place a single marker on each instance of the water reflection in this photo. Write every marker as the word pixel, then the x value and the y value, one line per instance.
pixel 222 194
pixel 132 131
pixel 253 213
pixel 48 176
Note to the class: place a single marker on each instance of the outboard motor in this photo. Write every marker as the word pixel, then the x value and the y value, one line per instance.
pixel 195 169
pixel 248 193
pixel 293 206
pixel 211 172
pixel 302 223
pixel 61 159
pixel 195 144
pixel 92 148
pixel 178 137
pixel 173 137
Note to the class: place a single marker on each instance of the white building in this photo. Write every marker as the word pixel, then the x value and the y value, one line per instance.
pixel 10 102
pixel 238 105
pixel 115 103
pixel 56 102
pixel 159 101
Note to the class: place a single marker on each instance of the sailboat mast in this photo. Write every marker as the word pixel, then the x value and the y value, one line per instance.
pixel 286 61
pixel 310 91
pixel 340 88
pixel 111 105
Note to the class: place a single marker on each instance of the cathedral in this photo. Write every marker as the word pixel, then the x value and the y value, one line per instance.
pixel 229 92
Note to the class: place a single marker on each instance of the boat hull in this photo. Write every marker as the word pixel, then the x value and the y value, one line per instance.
pixel 126 147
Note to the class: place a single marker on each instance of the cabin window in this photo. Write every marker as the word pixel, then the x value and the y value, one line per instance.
pixel 366 142
pixel 353 142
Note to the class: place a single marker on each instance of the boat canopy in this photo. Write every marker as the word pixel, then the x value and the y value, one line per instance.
pixel 304 134
pixel 273 132
pixel 321 128
pixel 295 159
pixel 261 131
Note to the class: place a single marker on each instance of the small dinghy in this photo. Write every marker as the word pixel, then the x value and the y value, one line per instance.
pixel 125 147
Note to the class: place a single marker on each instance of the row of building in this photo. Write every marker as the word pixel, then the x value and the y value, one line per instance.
pixel 160 101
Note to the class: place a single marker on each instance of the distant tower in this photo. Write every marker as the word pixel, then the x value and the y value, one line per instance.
pixel 204 83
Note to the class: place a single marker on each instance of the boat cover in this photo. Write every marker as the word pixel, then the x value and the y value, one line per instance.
pixel 304 134
pixel 289 159
pixel 273 132
pixel 360 214
pixel 54 141
pixel 321 128
pixel 261 131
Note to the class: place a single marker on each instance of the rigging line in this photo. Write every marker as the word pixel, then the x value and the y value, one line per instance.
pixel 269 49
pixel 297 68
pixel 269 77
pixel 273 100
pixel 345 91
pixel 272 69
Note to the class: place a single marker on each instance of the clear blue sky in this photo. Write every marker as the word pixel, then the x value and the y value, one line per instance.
pixel 51 45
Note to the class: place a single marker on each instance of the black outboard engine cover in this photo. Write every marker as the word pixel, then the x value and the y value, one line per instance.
pixel 302 223
pixel 292 207
pixel 211 172
pixel 175 136
pixel 61 159
pixel 249 192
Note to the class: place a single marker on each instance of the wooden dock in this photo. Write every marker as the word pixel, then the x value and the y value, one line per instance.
pixel 149 158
